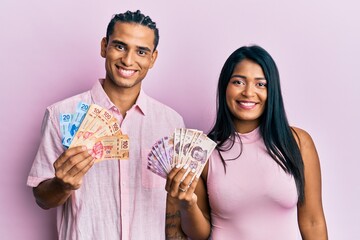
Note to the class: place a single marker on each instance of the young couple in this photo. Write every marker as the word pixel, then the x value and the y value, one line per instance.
pixel 262 181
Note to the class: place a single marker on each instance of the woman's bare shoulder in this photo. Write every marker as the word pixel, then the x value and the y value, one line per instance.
pixel 302 137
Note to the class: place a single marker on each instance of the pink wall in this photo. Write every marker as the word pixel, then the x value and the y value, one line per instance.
pixel 50 51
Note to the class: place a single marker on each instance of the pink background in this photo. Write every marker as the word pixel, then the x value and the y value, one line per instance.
pixel 50 51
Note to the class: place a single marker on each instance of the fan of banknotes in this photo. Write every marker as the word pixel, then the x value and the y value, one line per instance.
pixel 186 147
pixel 97 129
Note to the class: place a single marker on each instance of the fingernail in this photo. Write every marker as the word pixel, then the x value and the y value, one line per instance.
pixel 186 166
pixel 90 151
pixel 177 166
pixel 83 148
pixel 193 170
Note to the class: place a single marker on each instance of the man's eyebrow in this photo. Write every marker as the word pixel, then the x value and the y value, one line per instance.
pixel 118 42
pixel 145 49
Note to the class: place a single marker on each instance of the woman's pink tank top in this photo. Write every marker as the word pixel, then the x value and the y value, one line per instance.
pixel 255 199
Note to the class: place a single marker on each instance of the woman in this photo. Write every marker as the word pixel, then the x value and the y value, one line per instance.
pixel 263 180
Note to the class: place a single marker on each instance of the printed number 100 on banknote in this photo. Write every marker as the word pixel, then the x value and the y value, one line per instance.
pixel 97 129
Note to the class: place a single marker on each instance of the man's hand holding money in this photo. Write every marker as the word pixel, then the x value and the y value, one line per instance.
pixel 71 166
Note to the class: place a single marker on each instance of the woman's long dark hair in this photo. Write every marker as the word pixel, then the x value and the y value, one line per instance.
pixel 274 127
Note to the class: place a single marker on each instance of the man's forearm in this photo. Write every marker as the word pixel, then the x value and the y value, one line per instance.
pixel 50 194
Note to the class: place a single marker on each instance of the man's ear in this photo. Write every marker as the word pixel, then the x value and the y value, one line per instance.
pixel 103 47
pixel 153 58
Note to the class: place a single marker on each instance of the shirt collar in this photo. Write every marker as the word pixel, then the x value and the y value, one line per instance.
pixel 141 102
pixel 100 98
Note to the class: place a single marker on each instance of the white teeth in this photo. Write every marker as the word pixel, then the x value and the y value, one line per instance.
pixel 127 72
pixel 247 104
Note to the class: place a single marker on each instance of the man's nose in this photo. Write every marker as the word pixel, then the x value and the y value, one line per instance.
pixel 128 58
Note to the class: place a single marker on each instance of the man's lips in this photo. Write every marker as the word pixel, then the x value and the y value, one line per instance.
pixel 126 72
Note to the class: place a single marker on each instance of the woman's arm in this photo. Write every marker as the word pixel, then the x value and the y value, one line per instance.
pixel 191 202
pixel 311 217
pixel 173 230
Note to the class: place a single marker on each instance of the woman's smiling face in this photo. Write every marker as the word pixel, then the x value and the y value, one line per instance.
pixel 246 95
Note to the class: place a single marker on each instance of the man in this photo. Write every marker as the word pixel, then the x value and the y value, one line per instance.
pixel 110 199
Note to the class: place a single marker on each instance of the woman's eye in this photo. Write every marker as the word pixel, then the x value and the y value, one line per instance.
pixel 262 84
pixel 238 82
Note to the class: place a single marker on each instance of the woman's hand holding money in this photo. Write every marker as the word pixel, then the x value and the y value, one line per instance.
pixel 187 207
pixel 181 184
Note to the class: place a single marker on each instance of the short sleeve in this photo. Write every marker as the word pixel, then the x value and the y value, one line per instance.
pixel 49 150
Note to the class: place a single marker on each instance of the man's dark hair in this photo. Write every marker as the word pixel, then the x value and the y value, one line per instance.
pixel 133 17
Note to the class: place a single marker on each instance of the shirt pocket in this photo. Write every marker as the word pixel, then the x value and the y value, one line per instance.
pixel 149 179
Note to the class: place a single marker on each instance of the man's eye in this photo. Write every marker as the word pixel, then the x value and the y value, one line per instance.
pixel 141 52
pixel 120 47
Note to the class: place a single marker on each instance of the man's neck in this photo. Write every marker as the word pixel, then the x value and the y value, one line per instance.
pixel 123 98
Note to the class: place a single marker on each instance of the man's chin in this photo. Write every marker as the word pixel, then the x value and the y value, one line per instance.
pixel 126 83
